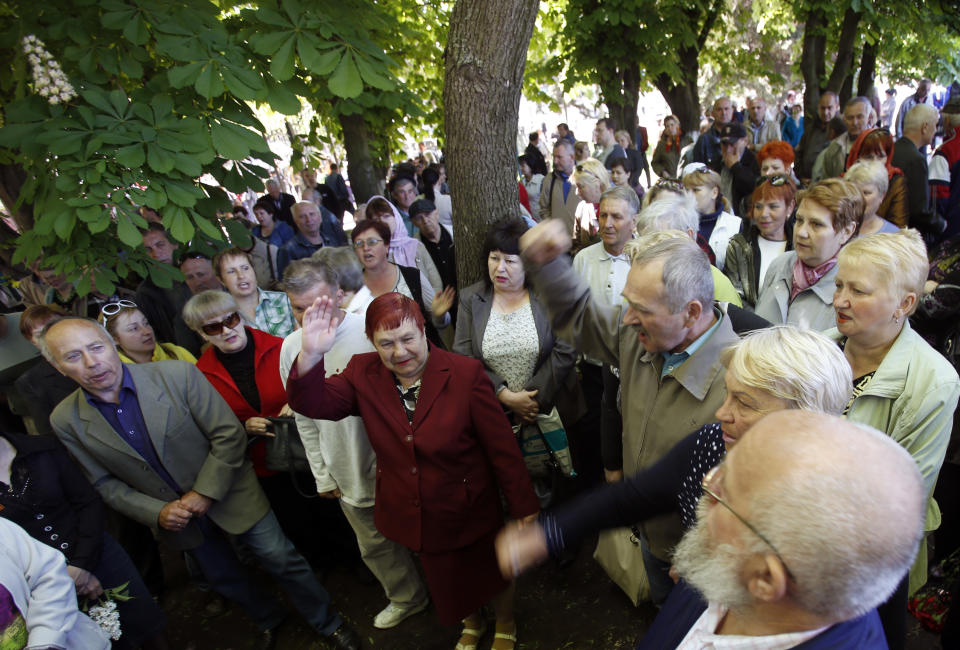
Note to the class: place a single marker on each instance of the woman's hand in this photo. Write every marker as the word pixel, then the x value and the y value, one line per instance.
pixel 520 547
pixel 86 583
pixel 257 426
pixel 319 333
pixel 522 403
pixel 442 302
pixel 286 411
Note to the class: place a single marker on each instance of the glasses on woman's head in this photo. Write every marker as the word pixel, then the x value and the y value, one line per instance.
pixel 669 184
pixel 114 308
pixel 583 170
pixel 778 180
pixel 707 485
pixel 217 327
pixel 367 243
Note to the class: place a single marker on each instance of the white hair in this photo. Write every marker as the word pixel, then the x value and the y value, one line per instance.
pixel 686 272
pixel 868 172
pixel 44 347
pixel 669 213
pixel 919 115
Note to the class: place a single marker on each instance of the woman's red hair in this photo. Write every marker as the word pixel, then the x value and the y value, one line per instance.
pixel 387 312
pixel 776 149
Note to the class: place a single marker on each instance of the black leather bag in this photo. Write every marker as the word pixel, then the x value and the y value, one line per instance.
pixel 285 452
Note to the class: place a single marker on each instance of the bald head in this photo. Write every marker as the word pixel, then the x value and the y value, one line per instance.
pixel 83 351
pixel 818 483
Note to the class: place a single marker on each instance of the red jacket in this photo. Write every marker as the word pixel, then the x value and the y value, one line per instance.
pixel 437 477
pixel 266 359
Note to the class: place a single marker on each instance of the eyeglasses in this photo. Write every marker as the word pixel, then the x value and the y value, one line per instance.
pixel 709 480
pixel 369 243
pixel 213 329
pixel 114 308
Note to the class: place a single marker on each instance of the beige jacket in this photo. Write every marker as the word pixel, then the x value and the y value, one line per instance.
pixel 657 413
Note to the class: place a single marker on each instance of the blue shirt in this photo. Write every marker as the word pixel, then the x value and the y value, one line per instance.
pixel 282 231
pixel 672 361
pixel 126 418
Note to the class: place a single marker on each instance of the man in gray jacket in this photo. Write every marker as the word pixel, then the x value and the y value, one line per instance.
pixel 666 340
pixel 558 196
pixel 162 447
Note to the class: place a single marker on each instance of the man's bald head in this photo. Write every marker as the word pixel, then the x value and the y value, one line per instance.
pixel 842 504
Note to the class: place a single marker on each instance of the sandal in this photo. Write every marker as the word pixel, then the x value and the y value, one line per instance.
pixel 510 637
pixel 476 633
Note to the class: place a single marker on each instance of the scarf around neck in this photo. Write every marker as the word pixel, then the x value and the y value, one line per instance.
pixel 805 277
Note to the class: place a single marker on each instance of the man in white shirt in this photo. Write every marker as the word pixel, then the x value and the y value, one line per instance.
pixel 604 266
pixel 779 557
pixel 339 453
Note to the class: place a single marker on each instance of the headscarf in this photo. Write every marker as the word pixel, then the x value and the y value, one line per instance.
pixel 403 247
pixel 855 155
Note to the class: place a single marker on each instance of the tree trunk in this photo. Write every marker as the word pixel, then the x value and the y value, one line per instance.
pixel 866 82
pixel 846 46
pixel 622 95
pixel 365 181
pixel 485 56
pixel 812 63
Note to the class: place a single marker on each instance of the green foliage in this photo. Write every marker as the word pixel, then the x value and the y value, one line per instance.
pixel 165 91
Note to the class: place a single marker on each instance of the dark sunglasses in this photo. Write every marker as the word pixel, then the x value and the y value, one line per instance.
pixel 213 329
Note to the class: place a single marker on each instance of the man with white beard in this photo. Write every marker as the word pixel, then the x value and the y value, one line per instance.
pixel 798 539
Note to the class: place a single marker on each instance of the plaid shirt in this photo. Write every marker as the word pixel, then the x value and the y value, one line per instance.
pixel 274 314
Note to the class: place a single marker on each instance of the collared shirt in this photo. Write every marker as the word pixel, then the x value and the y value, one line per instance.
pixel 126 418
pixel 672 361
pixel 274 314
pixel 606 275
pixel 703 635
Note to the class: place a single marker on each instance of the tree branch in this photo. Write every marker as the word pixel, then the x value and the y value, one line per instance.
pixel 845 48
pixel 711 18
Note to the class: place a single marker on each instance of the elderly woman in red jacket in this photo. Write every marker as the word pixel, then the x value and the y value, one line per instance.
pixel 443 445
pixel 243 364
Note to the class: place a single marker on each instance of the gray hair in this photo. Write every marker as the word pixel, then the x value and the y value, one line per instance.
pixel 669 213
pixel 205 305
pixel 295 208
pixel 625 194
pixel 868 172
pixel 344 262
pixel 859 99
pixel 566 144
pixel 851 479
pixel 44 347
pixel 803 367
pixel 919 115
pixel 303 275
pixel 272 182
pixel 686 272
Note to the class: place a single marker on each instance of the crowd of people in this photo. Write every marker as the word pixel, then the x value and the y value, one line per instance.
pixel 736 364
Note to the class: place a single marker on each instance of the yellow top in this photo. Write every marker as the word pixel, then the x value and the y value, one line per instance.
pixel 164 352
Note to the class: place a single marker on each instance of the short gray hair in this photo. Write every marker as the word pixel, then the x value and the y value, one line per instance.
pixel 625 194
pixel 566 144
pixel 803 367
pixel 686 272
pixel 44 347
pixel 851 479
pixel 205 305
pixel 344 261
pixel 303 275
pixel 868 172
pixel 919 115
pixel 295 208
pixel 669 213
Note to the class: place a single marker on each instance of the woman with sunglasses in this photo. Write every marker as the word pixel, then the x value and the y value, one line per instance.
pixel 750 253
pixel 134 336
pixel 768 370
pixel 591 180
pixel 717 221
pixel 877 145
pixel 380 275
pixel 243 364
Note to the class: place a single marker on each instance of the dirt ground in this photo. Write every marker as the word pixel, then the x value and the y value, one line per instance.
pixel 570 608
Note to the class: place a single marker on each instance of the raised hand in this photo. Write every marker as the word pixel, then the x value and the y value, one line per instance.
pixel 442 302
pixel 319 333
pixel 545 242
pixel 520 546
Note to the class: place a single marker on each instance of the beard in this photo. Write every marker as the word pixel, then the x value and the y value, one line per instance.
pixel 712 569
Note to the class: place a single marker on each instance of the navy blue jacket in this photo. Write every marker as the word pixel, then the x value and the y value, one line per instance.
pixel 684 607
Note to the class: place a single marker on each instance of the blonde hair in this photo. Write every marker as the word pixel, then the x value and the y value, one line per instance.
pixel 709 178
pixel 803 367
pixel 869 172
pixel 581 148
pixel 900 259
pixel 623 134
pixel 841 197
pixel 205 305
pixel 591 171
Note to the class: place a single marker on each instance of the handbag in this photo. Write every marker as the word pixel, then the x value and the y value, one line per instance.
pixel 544 446
pixel 285 453
pixel 618 552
